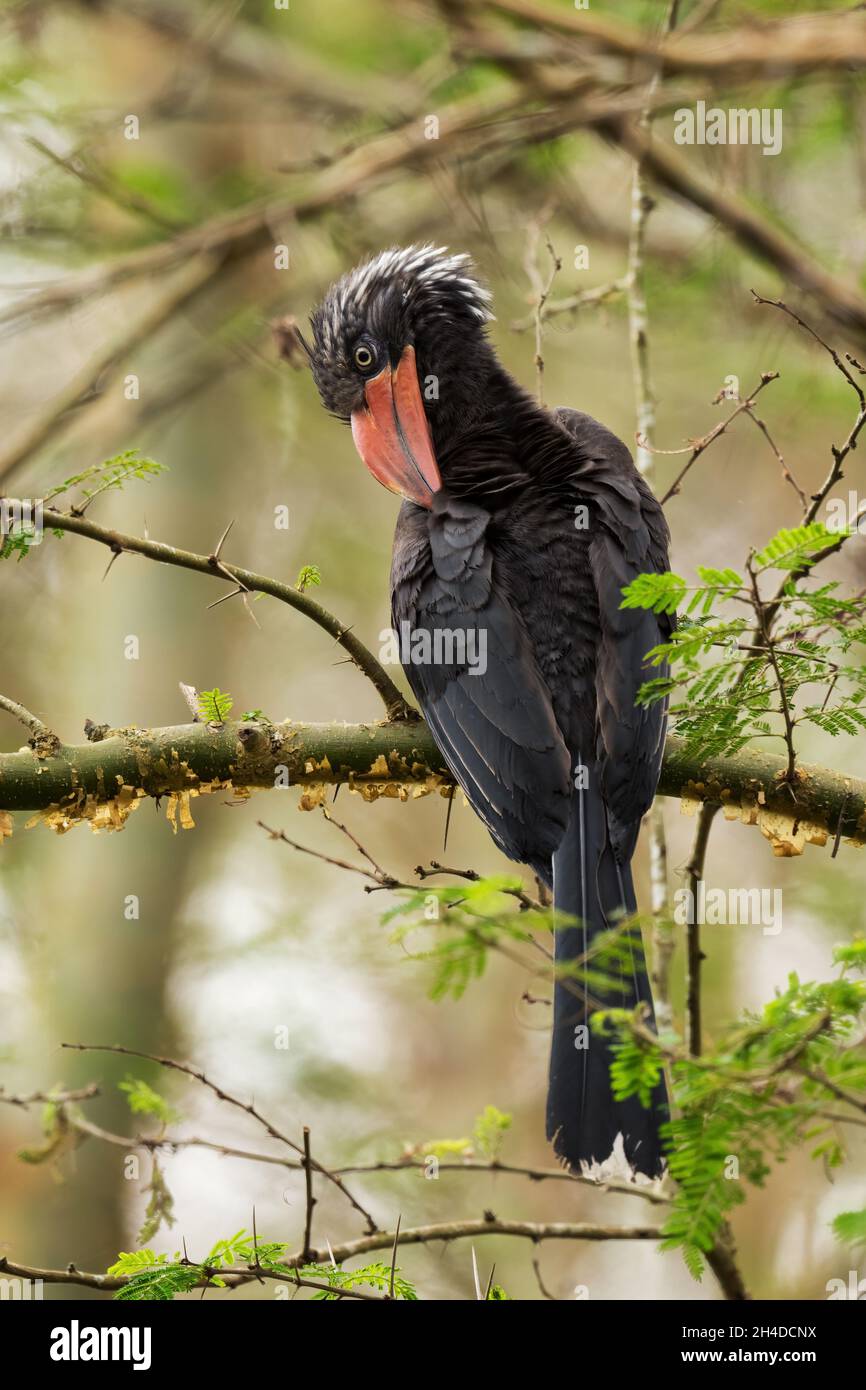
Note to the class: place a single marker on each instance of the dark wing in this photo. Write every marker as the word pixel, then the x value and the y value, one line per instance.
pixel 631 538
pixel 476 678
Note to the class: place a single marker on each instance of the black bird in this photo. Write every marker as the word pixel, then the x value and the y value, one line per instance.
pixel 518 530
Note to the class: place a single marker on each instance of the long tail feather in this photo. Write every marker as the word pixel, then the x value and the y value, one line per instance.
pixel 583 1119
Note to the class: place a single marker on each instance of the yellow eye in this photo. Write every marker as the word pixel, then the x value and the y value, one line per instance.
pixel 363 357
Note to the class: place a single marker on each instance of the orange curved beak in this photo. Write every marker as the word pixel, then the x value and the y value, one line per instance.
pixel 392 433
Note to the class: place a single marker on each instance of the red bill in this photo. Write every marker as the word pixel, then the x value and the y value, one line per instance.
pixel 392 433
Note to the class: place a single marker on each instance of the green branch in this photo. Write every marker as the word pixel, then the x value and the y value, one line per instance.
pixel 103 780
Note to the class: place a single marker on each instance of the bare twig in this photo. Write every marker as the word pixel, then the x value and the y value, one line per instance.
pixel 786 472
pixel 527 902
pixel 395 704
pixel 645 417
pixel 544 1291
pixel 796 44
pixel 841 452
pixel 42 740
pixel 311 1201
pixel 446 1231
pixel 197 1075
pixel 694 954
pixel 541 288
pixel 56 1097
pixel 570 303
pixel 89 173
pixel 698 446
pixel 411 1162
pixel 769 647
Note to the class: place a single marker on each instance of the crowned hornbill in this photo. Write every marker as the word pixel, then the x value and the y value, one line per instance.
pixel 519 528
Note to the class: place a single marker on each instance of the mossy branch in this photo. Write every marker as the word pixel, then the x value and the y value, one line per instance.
pixel 102 781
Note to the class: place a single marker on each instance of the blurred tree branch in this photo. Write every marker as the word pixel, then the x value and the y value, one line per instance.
pixel 548 104
pixel 557 65
pixel 107 363
pixel 797 45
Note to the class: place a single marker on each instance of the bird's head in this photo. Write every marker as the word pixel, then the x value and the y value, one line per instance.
pixel 393 344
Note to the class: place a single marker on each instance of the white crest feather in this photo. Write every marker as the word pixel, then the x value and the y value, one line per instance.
pixel 425 267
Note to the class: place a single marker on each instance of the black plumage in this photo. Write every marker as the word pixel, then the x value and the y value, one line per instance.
pixel 522 525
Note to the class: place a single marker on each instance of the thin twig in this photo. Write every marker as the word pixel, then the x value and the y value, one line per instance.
pixel 786 472
pixel 769 646
pixel 570 304
pixel 541 288
pixel 446 1231
pixel 311 1201
pixel 694 955
pixel 394 1258
pixel 42 739
pixel 395 704
pixel 698 446
pixel 645 418
pixel 197 1075
pixel 51 1097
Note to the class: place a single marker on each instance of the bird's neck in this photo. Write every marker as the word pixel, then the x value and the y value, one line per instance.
pixel 491 438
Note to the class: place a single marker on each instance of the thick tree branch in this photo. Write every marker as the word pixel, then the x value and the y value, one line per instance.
pixel 103 780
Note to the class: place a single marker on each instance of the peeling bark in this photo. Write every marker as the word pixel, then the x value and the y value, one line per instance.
pixel 104 780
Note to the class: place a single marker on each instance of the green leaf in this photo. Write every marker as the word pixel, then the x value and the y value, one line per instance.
pixel 491 1127
pixel 160 1284
pixel 215 705
pixel 447 1148
pixel 663 593
pixel 850 1227
pixel 18 542
pixel 113 473
pixel 852 956
pixel 796 548
pixel 134 1261
pixel 160 1206
pixel 376 1276
pixel 309 574
pixel 142 1099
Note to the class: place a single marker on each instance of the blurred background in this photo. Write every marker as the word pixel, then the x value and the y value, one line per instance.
pixel 249 106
